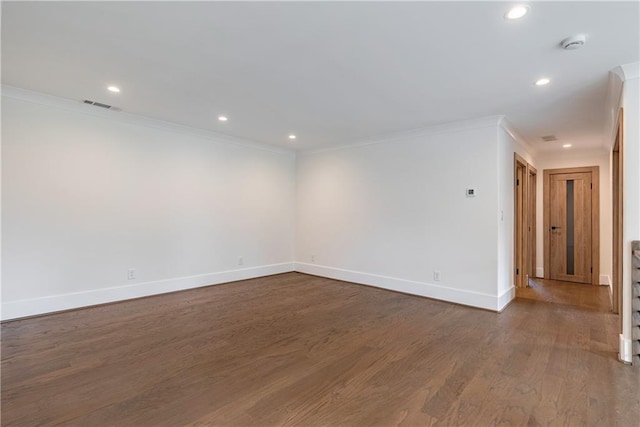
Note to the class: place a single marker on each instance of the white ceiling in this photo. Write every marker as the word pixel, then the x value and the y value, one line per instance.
pixel 332 73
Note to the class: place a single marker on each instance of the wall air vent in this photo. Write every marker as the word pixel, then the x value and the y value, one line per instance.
pixel 549 138
pixel 100 104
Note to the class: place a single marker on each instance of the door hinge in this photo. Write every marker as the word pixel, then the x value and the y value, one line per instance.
pixel 592 186
pixel 517 271
pixel 517 182
pixel 592 269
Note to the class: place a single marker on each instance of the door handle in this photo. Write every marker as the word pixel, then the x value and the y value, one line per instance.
pixel 554 227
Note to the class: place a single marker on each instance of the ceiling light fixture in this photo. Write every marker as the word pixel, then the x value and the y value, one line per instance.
pixel 543 81
pixel 292 136
pixel 114 89
pixel 566 145
pixel 516 12
pixel 222 118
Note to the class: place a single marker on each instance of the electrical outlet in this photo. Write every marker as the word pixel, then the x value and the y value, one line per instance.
pixel 131 274
pixel 313 258
pixel 240 261
pixel 436 276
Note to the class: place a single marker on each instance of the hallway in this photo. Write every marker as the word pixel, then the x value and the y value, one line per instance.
pixel 580 295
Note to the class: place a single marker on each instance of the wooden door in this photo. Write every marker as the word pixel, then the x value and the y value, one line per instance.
pixel 570 227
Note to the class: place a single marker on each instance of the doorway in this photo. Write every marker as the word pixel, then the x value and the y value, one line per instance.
pixel 571 224
pixel 525 221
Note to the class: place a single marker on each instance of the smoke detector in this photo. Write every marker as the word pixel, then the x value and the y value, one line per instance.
pixel 574 42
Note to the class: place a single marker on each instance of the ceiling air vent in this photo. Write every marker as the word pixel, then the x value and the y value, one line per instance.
pixel 549 138
pixel 100 104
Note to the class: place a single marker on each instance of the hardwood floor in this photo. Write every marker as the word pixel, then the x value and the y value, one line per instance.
pixel 582 295
pixel 294 349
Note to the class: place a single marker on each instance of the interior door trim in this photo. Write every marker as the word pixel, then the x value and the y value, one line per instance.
pixel 532 185
pixel 524 240
pixel 595 217
pixel 618 198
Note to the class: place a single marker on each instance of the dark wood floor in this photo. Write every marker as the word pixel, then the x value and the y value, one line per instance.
pixel 294 349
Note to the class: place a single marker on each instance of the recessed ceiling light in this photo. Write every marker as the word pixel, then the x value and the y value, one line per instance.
pixel 516 12
pixel 566 145
pixel 292 136
pixel 114 89
pixel 222 118
pixel 542 82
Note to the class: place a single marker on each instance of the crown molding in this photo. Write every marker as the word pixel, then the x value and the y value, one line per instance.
pixel 617 77
pixel 510 128
pixel 630 71
pixel 627 71
pixel 133 119
pixel 612 107
pixel 450 127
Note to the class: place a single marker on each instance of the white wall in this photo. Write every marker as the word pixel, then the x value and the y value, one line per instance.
pixel 631 202
pixel 391 213
pixel 88 194
pixel 575 158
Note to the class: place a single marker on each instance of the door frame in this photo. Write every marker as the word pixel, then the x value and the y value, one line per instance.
pixel 532 194
pixel 595 217
pixel 617 185
pixel 524 224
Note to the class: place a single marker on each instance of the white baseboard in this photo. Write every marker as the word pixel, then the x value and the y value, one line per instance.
pixel 540 272
pixel 625 350
pixel 430 290
pixel 506 298
pixel 49 304
pixel 605 280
